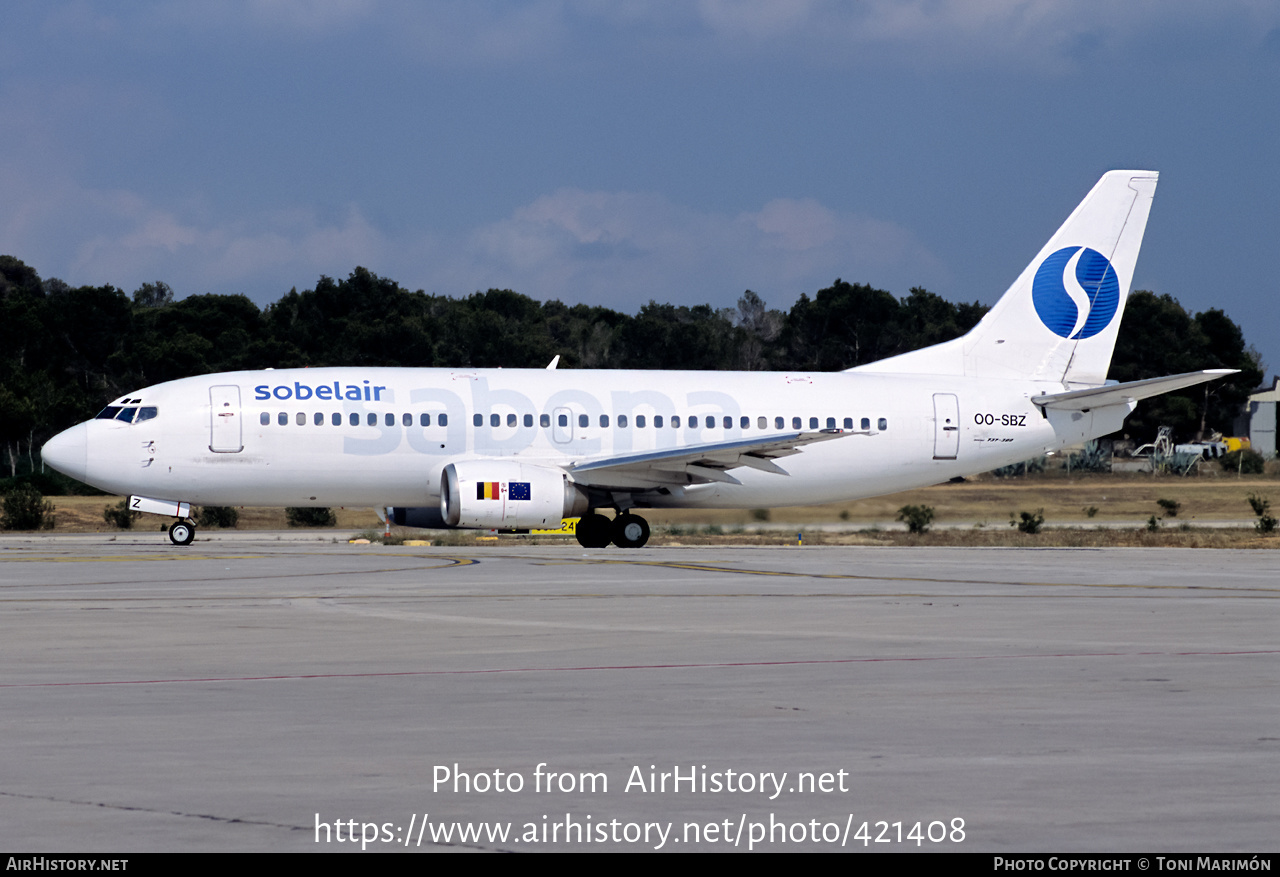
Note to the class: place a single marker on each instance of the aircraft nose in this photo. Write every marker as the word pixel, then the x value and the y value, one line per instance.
pixel 68 451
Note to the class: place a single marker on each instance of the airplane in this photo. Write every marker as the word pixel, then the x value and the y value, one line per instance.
pixel 526 448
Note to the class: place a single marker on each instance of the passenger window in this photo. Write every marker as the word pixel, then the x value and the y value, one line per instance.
pixel 371 419
pixel 778 423
pixel 283 418
pixel 318 418
pixel 354 419
pixel 150 412
pixel 495 419
pixel 265 418
pixel 301 419
pixel 866 423
pixel 728 422
pixel 389 419
pixel 443 419
pixel 511 420
pixel 582 420
pixel 406 419
pixel 424 420
pixel 622 421
pixel 762 423
pixel 657 421
pixel 544 420
pixel 528 420
pixel 675 421
pixel 795 423
pixel 813 423
pixel 711 422
pixel 745 422
pixel 336 418
pixel 848 423
pixel 884 424
pixel 477 420
pixel 639 421
pixel 604 419
pixel 563 420
pixel 831 423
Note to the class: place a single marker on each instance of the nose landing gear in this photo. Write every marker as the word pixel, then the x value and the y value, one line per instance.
pixel 182 532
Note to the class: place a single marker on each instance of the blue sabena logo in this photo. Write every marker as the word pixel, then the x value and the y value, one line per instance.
pixel 1076 292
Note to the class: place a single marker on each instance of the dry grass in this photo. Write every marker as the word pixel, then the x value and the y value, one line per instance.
pixel 987 502
pixel 991 500
pixel 83 514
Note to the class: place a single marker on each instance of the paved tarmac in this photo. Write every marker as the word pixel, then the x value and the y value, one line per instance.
pixel 286 696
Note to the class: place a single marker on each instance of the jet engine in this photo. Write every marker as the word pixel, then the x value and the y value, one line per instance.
pixel 506 494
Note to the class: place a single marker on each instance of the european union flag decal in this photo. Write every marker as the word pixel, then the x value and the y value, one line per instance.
pixel 518 490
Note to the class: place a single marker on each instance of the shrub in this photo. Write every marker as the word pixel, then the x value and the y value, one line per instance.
pixel 25 508
pixel 1247 462
pixel 1262 508
pixel 217 516
pixel 1153 524
pixel 302 516
pixel 1036 464
pixel 1030 522
pixel 1170 506
pixel 120 515
pixel 1092 458
pixel 916 517
pixel 1091 511
pixel 1176 463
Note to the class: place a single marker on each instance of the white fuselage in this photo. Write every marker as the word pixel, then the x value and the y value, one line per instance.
pixel 376 437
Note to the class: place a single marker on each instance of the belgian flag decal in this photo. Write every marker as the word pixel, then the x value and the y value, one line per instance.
pixel 493 490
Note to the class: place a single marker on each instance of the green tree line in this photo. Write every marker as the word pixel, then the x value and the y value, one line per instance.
pixel 66 351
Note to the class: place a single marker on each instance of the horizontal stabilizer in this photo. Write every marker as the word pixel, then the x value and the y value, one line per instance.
pixel 1121 394
pixel 701 464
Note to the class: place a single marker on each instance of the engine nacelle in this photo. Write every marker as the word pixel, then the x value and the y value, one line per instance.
pixel 507 494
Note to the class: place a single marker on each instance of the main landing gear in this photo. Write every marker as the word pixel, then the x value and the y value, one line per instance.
pixel 182 532
pixel 626 531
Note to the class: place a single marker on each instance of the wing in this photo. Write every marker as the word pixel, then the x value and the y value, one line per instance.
pixel 699 464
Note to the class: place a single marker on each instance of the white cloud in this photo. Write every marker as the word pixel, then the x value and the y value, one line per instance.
pixel 622 249
pixel 442 32
pixel 931 33
pixel 269 252
pixel 1039 34
pixel 616 248
pixel 99 236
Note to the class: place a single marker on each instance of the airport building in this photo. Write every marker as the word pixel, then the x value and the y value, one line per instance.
pixel 1258 420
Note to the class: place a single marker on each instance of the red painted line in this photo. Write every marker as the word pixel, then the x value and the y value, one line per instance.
pixel 633 667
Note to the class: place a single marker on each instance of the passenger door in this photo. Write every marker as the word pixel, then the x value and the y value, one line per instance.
pixel 946 426
pixel 224 420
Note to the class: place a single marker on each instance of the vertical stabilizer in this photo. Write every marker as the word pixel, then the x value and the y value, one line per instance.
pixel 1059 319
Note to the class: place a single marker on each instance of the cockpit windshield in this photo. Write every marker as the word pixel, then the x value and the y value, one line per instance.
pixel 128 413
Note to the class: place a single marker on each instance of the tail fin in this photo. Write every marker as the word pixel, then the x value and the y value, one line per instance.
pixel 1059 319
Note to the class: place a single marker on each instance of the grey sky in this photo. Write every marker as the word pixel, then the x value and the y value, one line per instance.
pixel 616 152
